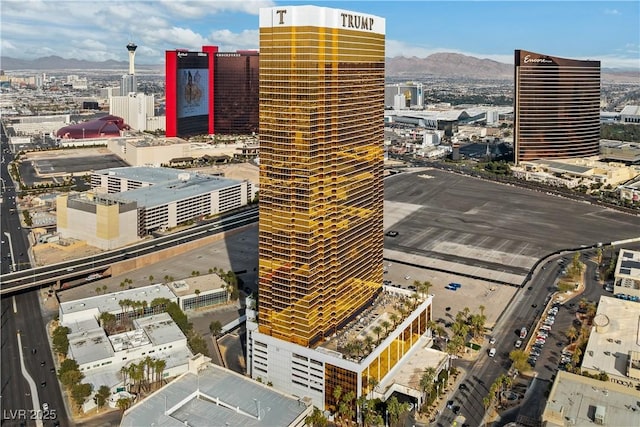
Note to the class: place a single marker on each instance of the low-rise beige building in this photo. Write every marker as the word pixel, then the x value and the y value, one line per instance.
pixel 575 400
pixel 574 172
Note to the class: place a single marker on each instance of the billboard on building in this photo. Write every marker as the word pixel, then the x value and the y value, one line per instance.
pixel 193 94
pixel 188 93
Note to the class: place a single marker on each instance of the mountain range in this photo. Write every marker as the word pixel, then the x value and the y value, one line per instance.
pixel 439 65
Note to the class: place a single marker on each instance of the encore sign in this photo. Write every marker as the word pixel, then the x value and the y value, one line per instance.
pixel 348 20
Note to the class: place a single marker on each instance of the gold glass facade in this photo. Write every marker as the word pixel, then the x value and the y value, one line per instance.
pixel 390 356
pixel 335 376
pixel 321 189
pixel 557 107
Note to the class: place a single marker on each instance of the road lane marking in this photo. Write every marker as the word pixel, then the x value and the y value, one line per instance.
pixel 32 383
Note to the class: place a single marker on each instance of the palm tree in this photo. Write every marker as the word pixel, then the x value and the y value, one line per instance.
pixel 424 287
pixel 377 330
pixel 316 419
pixel 394 319
pixel 395 409
pixel 386 325
pixel 572 334
pixel 372 382
pixel 575 357
pixel 349 348
pixel 431 325
pixel 161 364
pixel 368 342
pixel 197 292
pixel 123 404
pixel 337 393
pixel 426 381
pixel 125 372
pixel 358 346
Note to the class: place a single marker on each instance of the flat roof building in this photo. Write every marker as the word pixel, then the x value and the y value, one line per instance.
pixel 575 400
pixel 211 395
pixel 113 220
pixel 614 342
pixel 556 107
pixel 627 273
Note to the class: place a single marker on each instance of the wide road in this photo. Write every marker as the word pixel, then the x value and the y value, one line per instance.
pixel 81 268
pixel 482 372
pixel 21 314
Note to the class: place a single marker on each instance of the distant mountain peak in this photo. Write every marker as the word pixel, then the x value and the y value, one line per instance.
pixel 446 64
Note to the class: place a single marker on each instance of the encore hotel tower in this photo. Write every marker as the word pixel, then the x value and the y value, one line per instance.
pixel 321 165
pixel 557 107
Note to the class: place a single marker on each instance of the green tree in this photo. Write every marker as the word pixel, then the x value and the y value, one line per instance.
pixel 316 419
pixel 102 395
pixel 123 404
pixel 71 378
pixel 80 392
pixel 426 381
pixel 215 327
pixel 60 340
pixel 519 359
pixel 395 409
pixel 198 344
pixel 68 365
pixel 377 330
pixel 108 321
pixel 161 365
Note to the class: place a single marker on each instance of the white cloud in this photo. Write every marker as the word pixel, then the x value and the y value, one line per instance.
pixel 611 12
pixel 197 9
pixel 229 41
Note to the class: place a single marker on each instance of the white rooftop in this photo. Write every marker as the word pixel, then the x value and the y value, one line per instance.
pixel 109 302
pixel 160 329
pixel 145 174
pixel 171 191
pixel 628 269
pixel 129 340
pixel 631 110
pixel 574 399
pixel 617 334
pixel 215 396
pixel 110 374
pixel 89 346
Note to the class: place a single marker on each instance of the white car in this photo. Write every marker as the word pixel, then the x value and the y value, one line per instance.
pixel 518 343
pixel 492 340
pixel 492 352
pixel 45 406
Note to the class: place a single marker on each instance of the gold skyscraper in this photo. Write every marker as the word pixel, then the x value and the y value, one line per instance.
pixel 321 166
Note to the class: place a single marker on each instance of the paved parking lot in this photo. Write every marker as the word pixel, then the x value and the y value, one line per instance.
pixel 477 223
pixel 37 166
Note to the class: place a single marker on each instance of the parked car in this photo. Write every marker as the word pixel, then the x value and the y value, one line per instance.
pixel 518 343
pixel 492 352
pixel 523 333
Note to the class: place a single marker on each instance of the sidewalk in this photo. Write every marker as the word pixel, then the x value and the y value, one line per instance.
pixel 439 405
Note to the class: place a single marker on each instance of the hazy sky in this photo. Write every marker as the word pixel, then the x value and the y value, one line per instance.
pixel 98 30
